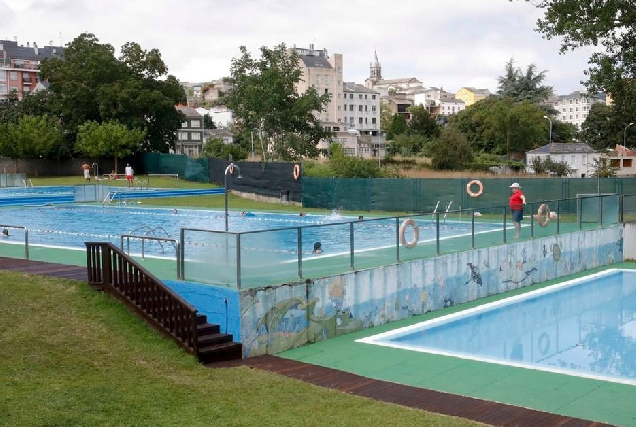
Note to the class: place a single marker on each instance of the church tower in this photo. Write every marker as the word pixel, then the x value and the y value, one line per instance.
pixel 376 70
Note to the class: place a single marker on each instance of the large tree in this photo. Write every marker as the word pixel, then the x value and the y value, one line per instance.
pixel 264 97
pixel 108 139
pixel 421 122
pixel 523 86
pixel 31 137
pixel 610 27
pixel 91 84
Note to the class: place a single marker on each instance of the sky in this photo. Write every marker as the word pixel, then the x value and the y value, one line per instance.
pixel 448 44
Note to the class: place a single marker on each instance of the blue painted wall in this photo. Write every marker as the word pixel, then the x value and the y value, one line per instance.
pixel 221 305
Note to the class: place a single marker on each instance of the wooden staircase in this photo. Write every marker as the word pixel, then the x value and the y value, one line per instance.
pixel 111 270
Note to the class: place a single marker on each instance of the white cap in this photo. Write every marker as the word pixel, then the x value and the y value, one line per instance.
pixel 515 185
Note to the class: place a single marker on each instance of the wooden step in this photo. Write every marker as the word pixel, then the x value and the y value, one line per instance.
pixel 208 329
pixel 221 353
pixel 210 339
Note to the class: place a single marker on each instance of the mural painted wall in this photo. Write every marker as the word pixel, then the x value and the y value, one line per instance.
pixel 274 319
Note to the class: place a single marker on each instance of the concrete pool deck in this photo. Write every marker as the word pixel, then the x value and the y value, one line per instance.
pixel 555 393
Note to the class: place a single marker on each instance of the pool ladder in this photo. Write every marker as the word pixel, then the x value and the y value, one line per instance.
pixel 151 234
pixel 27 183
pixel 445 212
pixel 111 196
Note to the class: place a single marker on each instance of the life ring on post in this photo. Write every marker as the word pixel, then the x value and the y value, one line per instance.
pixel 416 233
pixel 543 215
pixel 296 172
pixel 477 183
pixel 544 343
pixel 231 169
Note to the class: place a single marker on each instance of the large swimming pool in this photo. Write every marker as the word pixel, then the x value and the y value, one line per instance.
pixel 71 226
pixel 584 327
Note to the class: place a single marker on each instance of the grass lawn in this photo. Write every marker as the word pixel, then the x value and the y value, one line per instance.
pixel 72 356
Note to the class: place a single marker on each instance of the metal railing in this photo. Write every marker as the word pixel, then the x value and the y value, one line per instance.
pixel 144 238
pixel 116 273
pixel 283 254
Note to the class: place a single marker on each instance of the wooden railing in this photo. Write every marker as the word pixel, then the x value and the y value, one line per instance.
pixel 114 272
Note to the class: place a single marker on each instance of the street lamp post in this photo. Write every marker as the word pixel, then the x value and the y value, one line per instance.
pixel 546 117
pixel 625 134
pixel 229 171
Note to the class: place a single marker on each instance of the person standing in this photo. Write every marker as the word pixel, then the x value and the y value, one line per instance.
pixel 87 171
pixel 129 174
pixel 517 200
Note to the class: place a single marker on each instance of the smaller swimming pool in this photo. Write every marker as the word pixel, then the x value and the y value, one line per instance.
pixel 584 327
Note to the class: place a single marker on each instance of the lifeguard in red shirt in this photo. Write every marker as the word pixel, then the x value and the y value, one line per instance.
pixel 517 200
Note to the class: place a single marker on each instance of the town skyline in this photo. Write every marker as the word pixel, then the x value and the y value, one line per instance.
pixel 457 44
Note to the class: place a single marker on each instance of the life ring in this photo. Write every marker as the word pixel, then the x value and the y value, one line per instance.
pixel 296 172
pixel 477 183
pixel 416 233
pixel 231 169
pixel 543 215
pixel 544 343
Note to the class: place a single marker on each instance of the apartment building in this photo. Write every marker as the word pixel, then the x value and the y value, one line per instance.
pixel 20 66
pixel 190 135
pixel 471 95
pixel 575 107
pixel 578 156
pixel 324 72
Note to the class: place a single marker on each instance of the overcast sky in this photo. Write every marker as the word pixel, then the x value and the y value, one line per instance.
pixel 450 43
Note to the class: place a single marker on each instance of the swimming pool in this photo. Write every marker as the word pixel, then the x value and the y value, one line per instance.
pixel 584 327
pixel 71 226
pixel 30 191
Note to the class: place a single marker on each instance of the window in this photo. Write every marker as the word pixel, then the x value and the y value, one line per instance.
pixel 184 124
pixel 366 121
pixel 360 108
pixel 13 75
pixel 327 80
pixel 345 107
pixel 326 90
pixel 3 89
pixel 360 96
pixel 373 108
pixel 365 96
pixel 584 159
pixel 372 96
pixel 573 160
pixel 350 96
pixel 3 76
pixel 195 123
pixel 318 79
pixel 373 120
pixel 360 120
pixel 25 89
pixel 195 136
pixel 339 107
pixel 183 136
pixel 351 107
pixel 351 121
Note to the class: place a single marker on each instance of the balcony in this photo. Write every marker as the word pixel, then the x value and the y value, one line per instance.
pixel 19 64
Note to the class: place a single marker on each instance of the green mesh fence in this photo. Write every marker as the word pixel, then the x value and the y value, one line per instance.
pixel 424 195
pixel 188 168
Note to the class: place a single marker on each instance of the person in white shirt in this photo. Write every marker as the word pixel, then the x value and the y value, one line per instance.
pixel 129 174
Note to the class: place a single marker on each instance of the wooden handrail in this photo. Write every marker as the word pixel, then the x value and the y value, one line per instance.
pixel 120 275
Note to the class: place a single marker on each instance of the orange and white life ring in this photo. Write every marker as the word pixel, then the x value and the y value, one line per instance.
pixel 477 183
pixel 296 172
pixel 543 215
pixel 231 169
pixel 416 233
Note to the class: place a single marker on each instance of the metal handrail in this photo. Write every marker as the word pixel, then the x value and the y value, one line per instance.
pixel 143 238
pixel 26 236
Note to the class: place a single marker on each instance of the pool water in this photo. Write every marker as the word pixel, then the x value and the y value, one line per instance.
pixel 71 226
pixel 584 327
pixel 27 191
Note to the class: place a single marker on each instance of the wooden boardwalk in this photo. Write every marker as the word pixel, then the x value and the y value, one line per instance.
pixel 492 413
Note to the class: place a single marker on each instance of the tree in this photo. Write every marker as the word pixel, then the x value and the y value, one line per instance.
pixel 263 96
pixel 526 86
pixel 215 147
pixel 351 167
pixel 108 139
pixel 90 84
pixel 603 168
pixel 609 26
pixel 406 145
pixel 386 116
pixel 208 123
pixel 422 123
pixel 398 126
pixel 31 137
pixel 549 166
pixel 451 151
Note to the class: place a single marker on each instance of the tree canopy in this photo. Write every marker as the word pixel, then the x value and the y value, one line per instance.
pixel 91 85
pixel 608 26
pixel 521 86
pixel 264 97
pixel 108 139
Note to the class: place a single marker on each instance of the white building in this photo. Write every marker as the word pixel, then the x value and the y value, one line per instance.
pixel 408 85
pixel 450 106
pixel 361 107
pixel 575 107
pixel 578 156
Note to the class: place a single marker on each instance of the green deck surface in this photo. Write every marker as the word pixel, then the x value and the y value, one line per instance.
pixel 595 400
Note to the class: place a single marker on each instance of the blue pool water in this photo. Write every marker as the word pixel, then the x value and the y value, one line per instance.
pixel 584 327
pixel 71 226
pixel 30 191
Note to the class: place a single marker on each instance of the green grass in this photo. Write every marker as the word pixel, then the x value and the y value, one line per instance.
pixel 157 182
pixel 74 357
